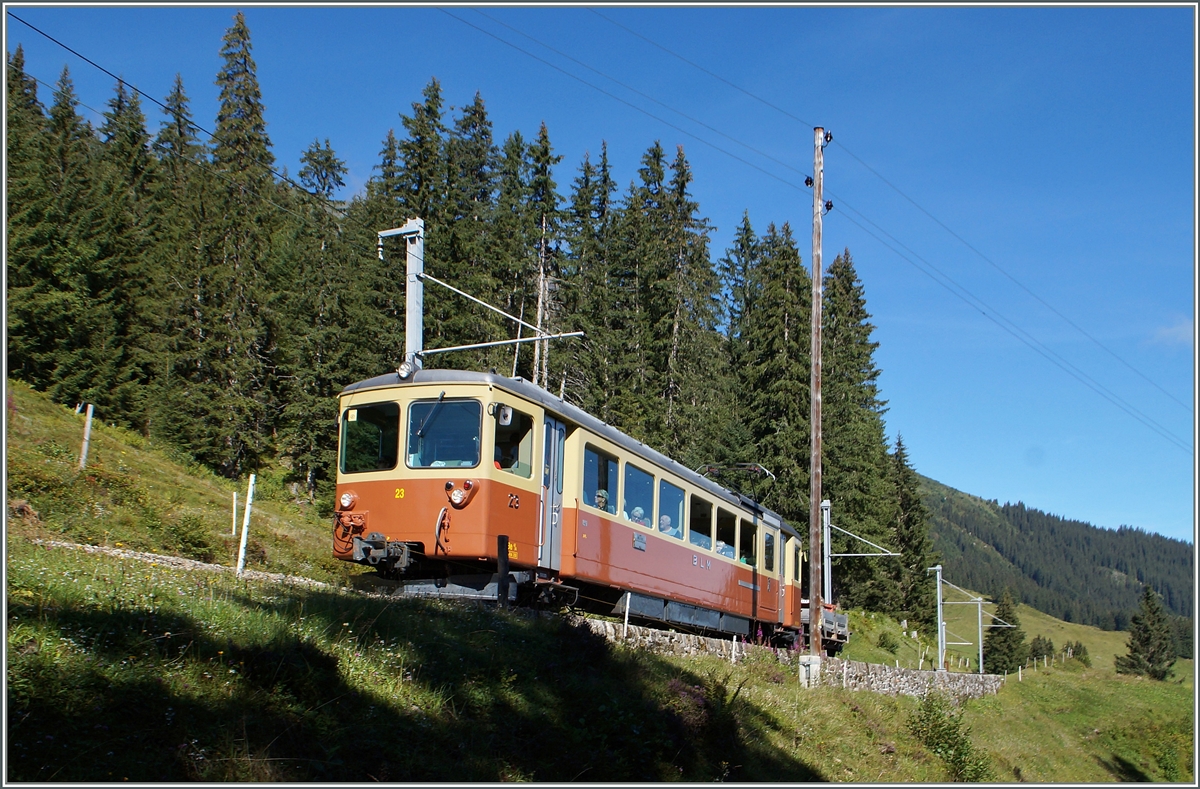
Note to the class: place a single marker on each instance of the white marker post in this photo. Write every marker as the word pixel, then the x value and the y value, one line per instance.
pixel 241 564
pixel 233 519
pixel 87 437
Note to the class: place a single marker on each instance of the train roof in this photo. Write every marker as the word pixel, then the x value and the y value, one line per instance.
pixel 570 413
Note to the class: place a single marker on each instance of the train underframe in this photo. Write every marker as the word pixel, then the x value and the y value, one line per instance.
pixel 403 568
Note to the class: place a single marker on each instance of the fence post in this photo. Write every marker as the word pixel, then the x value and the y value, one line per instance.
pixel 241 564
pixel 233 520
pixel 87 437
pixel 502 570
pixel 625 627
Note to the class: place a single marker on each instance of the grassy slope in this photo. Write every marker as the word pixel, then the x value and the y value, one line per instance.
pixel 152 673
pixel 145 497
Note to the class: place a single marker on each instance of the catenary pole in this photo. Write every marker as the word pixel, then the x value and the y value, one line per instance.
pixel 814 496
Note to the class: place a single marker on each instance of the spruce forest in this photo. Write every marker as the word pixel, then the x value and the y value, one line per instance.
pixel 193 291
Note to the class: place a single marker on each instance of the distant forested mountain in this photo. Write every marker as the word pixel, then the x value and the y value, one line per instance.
pixel 1066 568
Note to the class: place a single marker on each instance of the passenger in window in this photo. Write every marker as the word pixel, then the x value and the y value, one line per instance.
pixel 506 454
pixel 664 526
pixel 601 499
pixel 639 516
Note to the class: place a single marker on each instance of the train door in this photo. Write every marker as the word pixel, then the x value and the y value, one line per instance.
pixel 550 544
pixel 770 583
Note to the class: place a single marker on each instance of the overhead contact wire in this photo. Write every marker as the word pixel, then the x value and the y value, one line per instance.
pixel 917 205
pixel 1033 343
pixel 1094 387
pixel 190 122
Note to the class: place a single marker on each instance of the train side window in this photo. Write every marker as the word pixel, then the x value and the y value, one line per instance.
pixel 639 496
pixel 746 543
pixel 700 524
pixel 370 438
pixel 670 510
pixel 769 551
pixel 726 532
pixel 599 480
pixel 514 446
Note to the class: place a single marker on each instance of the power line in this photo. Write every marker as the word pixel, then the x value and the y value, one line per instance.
pixel 1049 355
pixel 985 309
pixel 618 98
pixel 189 121
pixel 1015 281
pixel 699 67
pixel 918 206
pixel 181 157
pixel 1041 349
pixel 646 96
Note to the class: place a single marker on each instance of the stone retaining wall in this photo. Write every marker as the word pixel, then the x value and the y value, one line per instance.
pixel 894 681
pixel 837 673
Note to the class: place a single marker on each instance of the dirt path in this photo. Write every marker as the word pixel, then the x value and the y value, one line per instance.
pixel 185 564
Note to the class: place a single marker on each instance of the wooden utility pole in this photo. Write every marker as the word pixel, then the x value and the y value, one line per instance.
pixel 814 497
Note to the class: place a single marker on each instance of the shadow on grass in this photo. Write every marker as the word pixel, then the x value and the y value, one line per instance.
pixel 481 696
pixel 1124 770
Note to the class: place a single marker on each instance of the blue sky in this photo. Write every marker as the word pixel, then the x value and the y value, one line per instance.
pixel 1058 143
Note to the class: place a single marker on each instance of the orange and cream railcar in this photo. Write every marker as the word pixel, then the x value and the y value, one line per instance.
pixel 433 469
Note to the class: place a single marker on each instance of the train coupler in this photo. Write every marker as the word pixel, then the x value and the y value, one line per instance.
pixel 377 550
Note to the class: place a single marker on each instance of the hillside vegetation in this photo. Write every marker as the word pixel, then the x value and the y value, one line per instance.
pixel 193 292
pixel 124 669
pixel 1069 569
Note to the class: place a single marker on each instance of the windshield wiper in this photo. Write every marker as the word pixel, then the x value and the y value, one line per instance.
pixel 432 412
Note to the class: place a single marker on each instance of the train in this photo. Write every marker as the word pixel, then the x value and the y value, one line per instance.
pixel 444 477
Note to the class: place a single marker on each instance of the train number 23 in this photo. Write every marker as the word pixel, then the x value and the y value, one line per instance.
pixel 399 493
pixel 514 501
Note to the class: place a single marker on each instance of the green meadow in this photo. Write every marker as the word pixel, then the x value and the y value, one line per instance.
pixel 123 669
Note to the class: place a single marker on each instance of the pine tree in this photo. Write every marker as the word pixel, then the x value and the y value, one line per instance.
pixel 774 378
pixel 855 468
pixel 1004 648
pixel 56 291
pixel 545 213
pixel 910 537
pixel 121 362
pixel 421 180
pixel 385 201
pixel 1041 647
pixel 467 258
pixel 30 285
pixel 188 203
pixel 1151 642
pixel 323 172
pixel 234 389
pixel 330 322
pixel 640 266
pixel 597 296
pixel 736 440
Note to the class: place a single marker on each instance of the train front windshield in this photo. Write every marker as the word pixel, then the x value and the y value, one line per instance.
pixel 370 438
pixel 444 433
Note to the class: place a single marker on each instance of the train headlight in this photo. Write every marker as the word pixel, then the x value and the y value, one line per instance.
pixel 406 369
pixel 460 496
pixel 347 500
